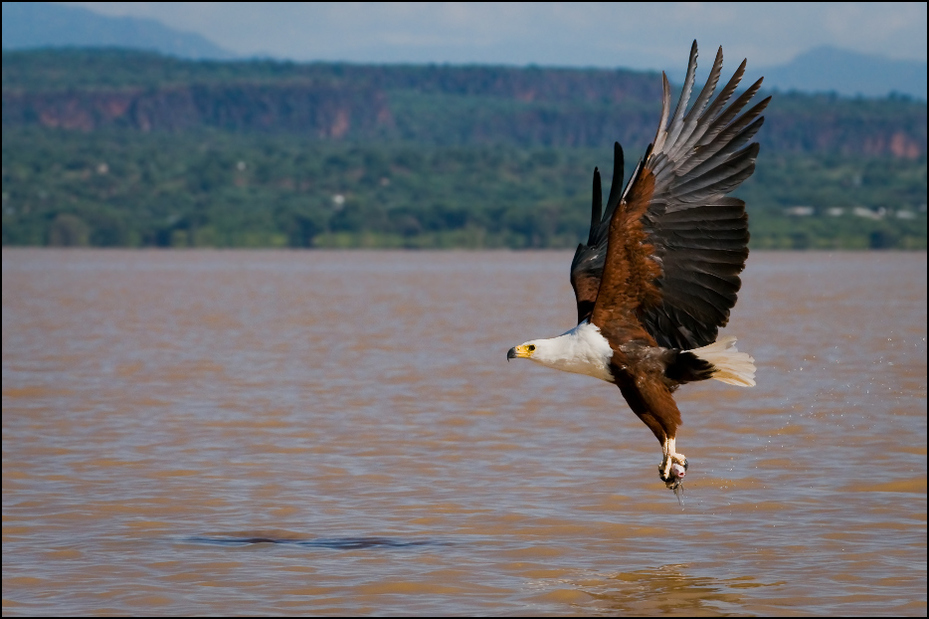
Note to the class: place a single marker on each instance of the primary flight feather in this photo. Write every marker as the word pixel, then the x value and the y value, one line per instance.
pixel 660 270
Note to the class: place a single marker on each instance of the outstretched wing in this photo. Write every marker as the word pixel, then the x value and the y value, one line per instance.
pixel 587 266
pixel 675 221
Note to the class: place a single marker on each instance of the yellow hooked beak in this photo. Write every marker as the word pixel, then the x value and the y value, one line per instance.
pixel 523 351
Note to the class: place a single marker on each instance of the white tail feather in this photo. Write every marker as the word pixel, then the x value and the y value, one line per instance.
pixel 732 366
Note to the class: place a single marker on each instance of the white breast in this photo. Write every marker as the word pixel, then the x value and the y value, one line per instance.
pixel 582 350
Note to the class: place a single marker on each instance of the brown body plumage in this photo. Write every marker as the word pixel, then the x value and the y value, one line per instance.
pixel 660 270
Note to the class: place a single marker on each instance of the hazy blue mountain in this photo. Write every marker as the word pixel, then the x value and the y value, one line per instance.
pixel 42 24
pixel 823 69
pixel 826 69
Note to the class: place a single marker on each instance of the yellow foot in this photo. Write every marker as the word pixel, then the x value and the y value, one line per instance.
pixel 672 470
pixel 673 466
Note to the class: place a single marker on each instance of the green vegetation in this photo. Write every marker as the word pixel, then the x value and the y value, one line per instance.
pixel 117 148
pixel 856 202
pixel 213 188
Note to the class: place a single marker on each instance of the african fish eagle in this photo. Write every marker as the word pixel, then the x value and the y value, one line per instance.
pixel 660 269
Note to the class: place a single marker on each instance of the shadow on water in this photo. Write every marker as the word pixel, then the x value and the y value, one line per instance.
pixel 334 543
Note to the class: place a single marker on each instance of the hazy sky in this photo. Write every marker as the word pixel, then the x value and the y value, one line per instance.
pixel 635 35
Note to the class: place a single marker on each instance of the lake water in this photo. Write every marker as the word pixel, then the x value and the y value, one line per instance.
pixel 235 432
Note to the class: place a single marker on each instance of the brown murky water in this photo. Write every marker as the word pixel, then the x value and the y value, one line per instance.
pixel 340 433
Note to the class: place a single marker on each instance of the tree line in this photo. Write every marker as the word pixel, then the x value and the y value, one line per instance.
pixel 116 148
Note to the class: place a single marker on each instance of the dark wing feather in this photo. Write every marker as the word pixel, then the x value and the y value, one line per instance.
pixel 699 235
pixel 589 259
pixel 694 239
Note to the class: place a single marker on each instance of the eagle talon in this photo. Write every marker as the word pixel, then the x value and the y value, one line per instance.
pixel 672 470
